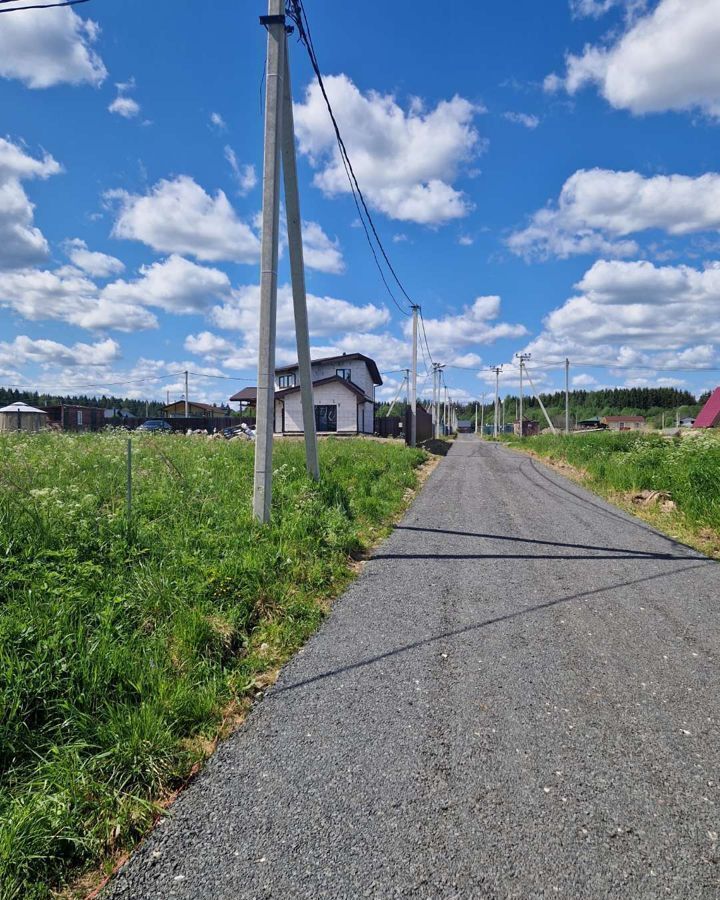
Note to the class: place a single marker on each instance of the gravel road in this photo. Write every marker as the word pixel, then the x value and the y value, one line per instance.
pixel 517 699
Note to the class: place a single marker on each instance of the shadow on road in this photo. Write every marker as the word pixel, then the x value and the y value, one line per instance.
pixel 549 604
pixel 649 554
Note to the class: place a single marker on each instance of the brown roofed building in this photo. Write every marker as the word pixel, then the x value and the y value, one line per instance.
pixel 195 410
pixel 624 423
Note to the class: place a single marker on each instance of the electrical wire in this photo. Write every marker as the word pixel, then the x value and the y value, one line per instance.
pixel 424 334
pixel 298 15
pixel 40 5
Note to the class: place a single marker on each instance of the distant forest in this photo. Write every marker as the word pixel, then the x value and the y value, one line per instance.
pixel 136 407
pixel 648 402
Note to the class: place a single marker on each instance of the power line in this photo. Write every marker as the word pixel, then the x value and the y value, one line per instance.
pixel 424 333
pixel 299 17
pixel 40 6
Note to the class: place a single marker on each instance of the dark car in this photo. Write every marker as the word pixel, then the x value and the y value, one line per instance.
pixel 155 426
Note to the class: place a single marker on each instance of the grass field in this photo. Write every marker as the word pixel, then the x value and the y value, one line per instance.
pixel 688 468
pixel 124 644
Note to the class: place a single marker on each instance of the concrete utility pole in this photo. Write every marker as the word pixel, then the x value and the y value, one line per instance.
pixel 297 273
pixel 437 395
pixel 434 401
pixel 413 379
pixel 522 357
pixel 279 146
pixel 497 370
pixel 567 396
pixel 476 416
pixel 482 416
pixel 187 399
pixel 542 405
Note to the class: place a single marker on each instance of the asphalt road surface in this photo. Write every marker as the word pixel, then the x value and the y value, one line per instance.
pixel 518 698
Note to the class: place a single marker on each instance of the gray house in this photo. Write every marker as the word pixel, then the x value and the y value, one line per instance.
pixel 343 393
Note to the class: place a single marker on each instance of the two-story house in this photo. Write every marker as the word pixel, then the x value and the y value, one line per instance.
pixel 343 393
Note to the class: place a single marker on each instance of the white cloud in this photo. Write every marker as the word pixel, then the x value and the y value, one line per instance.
pixel 21 243
pixel 43 48
pixel 217 121
pixel 245 175
pixel 326 315
pixel 668 59
pixel 583 381
pixel 405 161
pixel 597 206
pixel 321 252
pixel 596 8
pixel 474 325
pixel 527 120
pixel 465 240
pixel 178 216
pixel 24 350
pixel 175 285
pixel 98 265
pixel 125 107
pixel 72 298
pixel 632 314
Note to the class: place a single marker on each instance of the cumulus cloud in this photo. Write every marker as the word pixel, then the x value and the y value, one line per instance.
pixel 598 206
pixel 178 216
pixel 665 60
pixel 21 243
pixel 474 325
pixel 43 48
pixel 98 265
pixel 327 315
pixel 124 106
pixel 175 285
pixel 321 252
pixel 406 160
pixel 636 314
pixel 25 350
pixel 525 119
pixel 245 175
pixel 39 294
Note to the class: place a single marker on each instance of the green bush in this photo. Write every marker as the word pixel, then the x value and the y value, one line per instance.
pixel 122 640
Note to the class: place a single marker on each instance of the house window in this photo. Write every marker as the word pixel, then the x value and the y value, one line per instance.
pixel 79 417
pixel 286 381
pixel 326 418
pixel 343 373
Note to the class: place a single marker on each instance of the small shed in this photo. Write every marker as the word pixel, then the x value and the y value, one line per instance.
pixel 21 417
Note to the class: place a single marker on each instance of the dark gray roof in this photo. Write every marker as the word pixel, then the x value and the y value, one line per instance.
pixel 343 357
pixel 246 395
pixel 348 384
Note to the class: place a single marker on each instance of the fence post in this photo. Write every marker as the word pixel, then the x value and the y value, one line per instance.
pixel 128 490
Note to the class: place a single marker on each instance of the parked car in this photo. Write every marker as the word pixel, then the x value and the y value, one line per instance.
pixel 156 426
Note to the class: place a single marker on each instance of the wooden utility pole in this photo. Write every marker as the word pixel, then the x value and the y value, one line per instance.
pixel 279 146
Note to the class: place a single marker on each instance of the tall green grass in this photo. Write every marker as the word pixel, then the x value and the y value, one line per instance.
pixel 121 643
pixel 687 467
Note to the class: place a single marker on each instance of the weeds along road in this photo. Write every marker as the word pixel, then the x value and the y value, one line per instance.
pixel 518 698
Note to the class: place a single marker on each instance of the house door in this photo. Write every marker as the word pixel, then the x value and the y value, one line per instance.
pixel 326 418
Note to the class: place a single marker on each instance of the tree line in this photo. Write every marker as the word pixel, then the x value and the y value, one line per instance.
pixel 584 404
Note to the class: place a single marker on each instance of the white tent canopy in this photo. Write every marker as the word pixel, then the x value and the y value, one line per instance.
pixel 21 408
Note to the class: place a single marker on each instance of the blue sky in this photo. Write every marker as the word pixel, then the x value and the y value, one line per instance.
pixel 543 175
